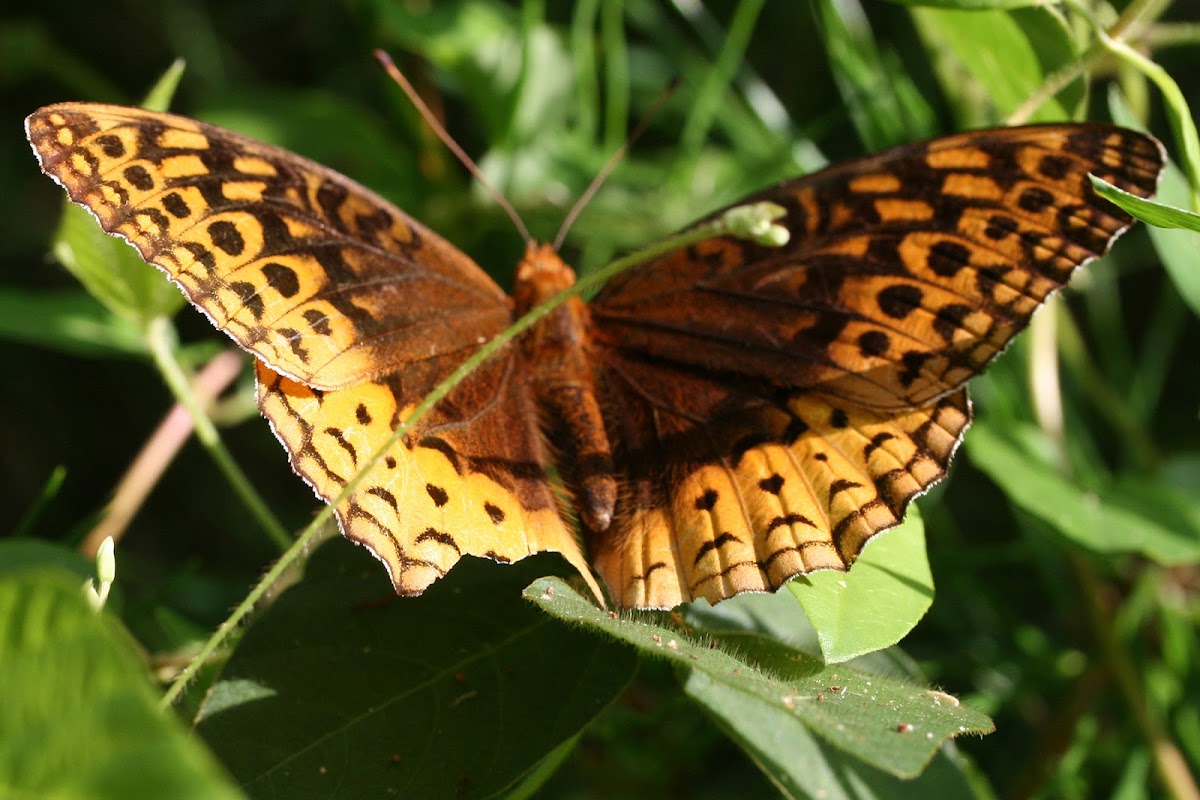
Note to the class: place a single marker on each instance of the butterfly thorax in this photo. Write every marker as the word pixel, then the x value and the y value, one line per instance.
pixel 563 381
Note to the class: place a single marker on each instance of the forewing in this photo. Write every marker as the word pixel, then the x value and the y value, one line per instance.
pixel 319 277
pixel 906 272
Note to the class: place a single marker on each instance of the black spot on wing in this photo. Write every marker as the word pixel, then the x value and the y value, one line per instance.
pixel 437 494
pixel 495 512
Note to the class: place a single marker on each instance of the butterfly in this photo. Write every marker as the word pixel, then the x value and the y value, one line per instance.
pixel 718 420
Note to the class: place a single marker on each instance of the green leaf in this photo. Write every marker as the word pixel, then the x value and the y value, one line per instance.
pixel 1175 245
pixel 1006 53
pixel 878 601
pixel 33 513
pixel 79 717
pixel 107 266
pixel 1130 515
pixel 1148 211
pixel 801 764
pixel 111 270
pixel 23 555
pixel 748 677
pixel 342 690
pixel 71 321
pixel 970 5
pixel 163 91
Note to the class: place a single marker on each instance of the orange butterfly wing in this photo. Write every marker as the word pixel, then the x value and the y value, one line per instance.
pixel 355 311
pixel 317 276
pixel 776 407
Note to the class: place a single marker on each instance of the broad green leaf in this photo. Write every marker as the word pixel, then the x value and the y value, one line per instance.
pixel 342 690
pixel 79 720
pixel 752 676
pixel 111 270
pixel 1131 515
pixel 527 786
pixel 69 320
pixel 1176 246
pixel 876 603
pixel 1006 53
pixel 22 555
pixel 799 763
pixel 108 267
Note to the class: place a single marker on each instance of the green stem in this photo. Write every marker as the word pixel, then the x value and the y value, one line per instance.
pixel 260 590
pixel 1133 16
pixel 583 58
pixel 1183 127
pixel 1054 83
pixel 734 222
pixel 1173 34
pixel 160 338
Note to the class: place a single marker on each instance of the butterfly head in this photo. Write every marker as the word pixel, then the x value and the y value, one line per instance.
pixel 541 275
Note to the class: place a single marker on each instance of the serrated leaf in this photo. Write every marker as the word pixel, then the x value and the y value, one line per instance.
pixel 799 763
pixel 864 715
pixel 878 601
pixel 342 690
pixel 79 719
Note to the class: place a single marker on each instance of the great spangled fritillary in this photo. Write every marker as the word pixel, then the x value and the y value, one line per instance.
pixel 723 418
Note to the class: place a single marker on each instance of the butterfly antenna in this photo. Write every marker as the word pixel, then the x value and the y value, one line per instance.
pixel 432 121
pixel 613 160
